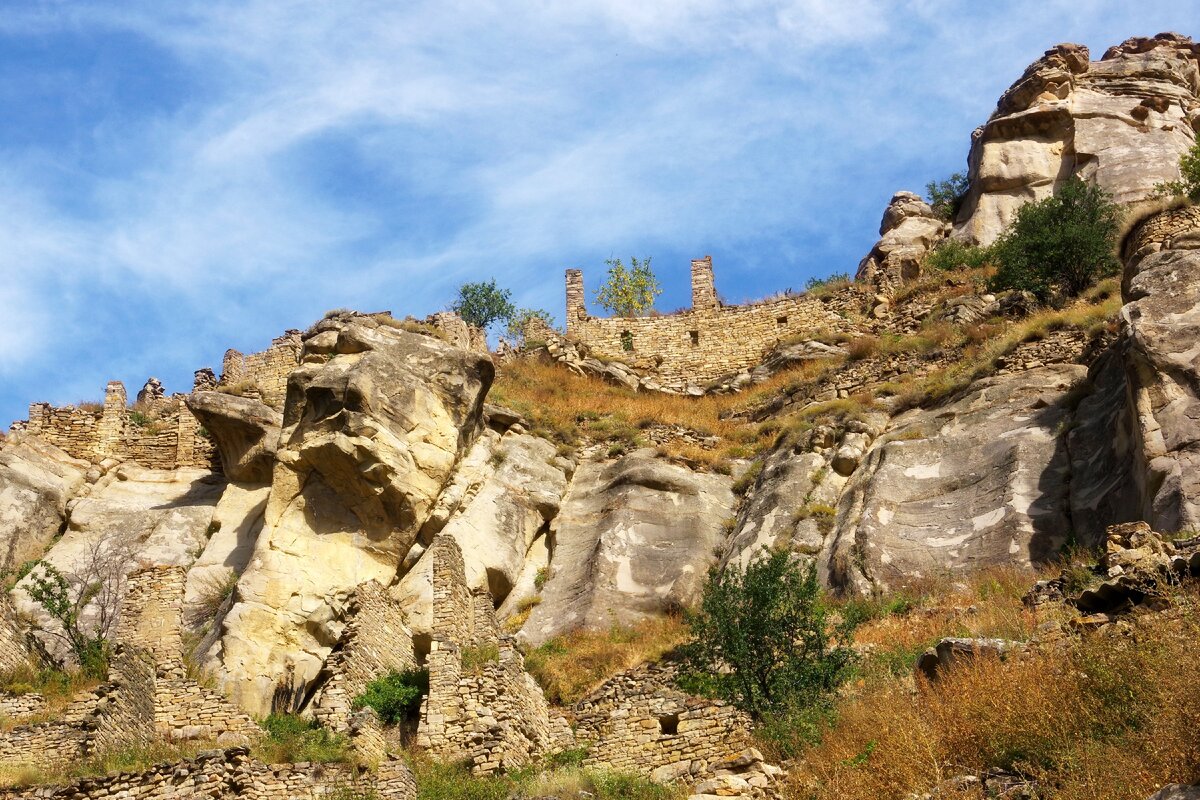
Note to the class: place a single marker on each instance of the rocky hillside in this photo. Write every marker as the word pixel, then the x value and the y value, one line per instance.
pixel 942 432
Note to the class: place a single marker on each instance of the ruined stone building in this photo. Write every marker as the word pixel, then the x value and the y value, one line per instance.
pixel 695 346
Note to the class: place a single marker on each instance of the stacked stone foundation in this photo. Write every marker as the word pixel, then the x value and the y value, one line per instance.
pixel 263 374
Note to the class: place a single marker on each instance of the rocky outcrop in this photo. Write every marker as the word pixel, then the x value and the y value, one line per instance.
pixel 634 538
pixel 36 481
pixel 246 431
pixel 375 421
pixel 1122 121
pixel 502 498
pixel 981 481
pixel 131 518
pixel 908 231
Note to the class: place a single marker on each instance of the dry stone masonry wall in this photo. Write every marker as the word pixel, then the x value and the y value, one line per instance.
pixel 233 773
pixel 375 641
pixel 458 331
pixel 159 434
pixel 482 705
pixel 694 347
pixel 265 373
pixel 639 722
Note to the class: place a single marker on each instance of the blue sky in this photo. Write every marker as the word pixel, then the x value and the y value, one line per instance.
pixel 179 178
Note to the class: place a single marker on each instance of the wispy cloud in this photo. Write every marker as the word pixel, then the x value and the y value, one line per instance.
pixel 198 175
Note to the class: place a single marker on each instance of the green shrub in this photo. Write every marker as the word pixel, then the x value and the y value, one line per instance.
pixel 1064 242
pixel 743 484
pixel 482 304
pixel 951 254
pixel 762 638
pixel 946 197
pixel 540 577
pixel 291 738
pixel 1188 184
pixel 569 758
pixel 835 281
pixel 395 696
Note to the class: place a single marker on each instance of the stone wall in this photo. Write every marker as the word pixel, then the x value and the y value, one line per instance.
pixel 20 707
pixel 482 705
pixel 375 641
pixel 693 347
pixel 458 332
pixel 1159 231
pixel 266 371
pixel 160 434
pixel 639 722
pixel 151 619
pixel 232 773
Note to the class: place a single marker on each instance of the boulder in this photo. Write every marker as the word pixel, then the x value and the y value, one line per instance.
pixel 983 483
pixel 942 656
pixel 375 421
pixel 1122 121
pixel 908 231
pixel 1176 791
pixel 634 538
pixel 246 431
pixel 36 481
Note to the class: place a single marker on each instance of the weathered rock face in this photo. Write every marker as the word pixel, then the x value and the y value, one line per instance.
pixel 634 538
pixel 1162 367
pixel 36 481
pixel 978 482
pixel 1122 121
pixel 132 518
pixel 374 423
pixel 246 431
pixel 501 499
pixel 908 231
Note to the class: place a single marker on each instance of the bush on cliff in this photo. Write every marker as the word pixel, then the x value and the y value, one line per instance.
pixel 396 696
pixel 1065 242
pixel 1188 184
pixel 762 639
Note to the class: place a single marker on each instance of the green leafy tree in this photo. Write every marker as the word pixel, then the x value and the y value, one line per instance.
pixel 483 304
pixel 1063 242
pixel 946 197
pixel 1188 184
pixel 517 327
pixel 628 291
pixel 762 638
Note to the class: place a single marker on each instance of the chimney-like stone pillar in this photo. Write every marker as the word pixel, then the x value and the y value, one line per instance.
pixel 576 303
pixel 704 293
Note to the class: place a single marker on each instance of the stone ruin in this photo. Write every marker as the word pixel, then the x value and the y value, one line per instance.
pixel 709 341
pixel 640 722
pixel 482 706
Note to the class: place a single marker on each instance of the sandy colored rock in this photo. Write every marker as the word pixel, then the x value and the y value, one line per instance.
pixel 36 481
pixel 634 538
pixel 372 430
pixel 246 431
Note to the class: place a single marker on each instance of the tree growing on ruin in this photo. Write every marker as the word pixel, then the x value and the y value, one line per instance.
pixel 762 638
pixel 628 291
pixel 1063 243
pixel 518 324
pixel 484 304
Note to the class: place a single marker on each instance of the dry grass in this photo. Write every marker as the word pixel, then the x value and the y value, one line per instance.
pixel 131 759
pixel 570 409
pixel 57 687
pixel 1100 717
pixel 570 666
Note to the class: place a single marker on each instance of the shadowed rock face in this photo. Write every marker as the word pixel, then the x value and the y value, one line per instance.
pixel 634 538
pixel 246 431
pixel 1122 121
pixel 984 482
pixel 374 423
pixel 36 480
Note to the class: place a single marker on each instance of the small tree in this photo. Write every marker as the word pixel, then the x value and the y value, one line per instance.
pixel 84 603
pixel 395 696
pixel 762 638
pixel 628 291
pixel 518 323
pixel 483 304
pixel 1188 184
pixel 1066 241
pixel 946 197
